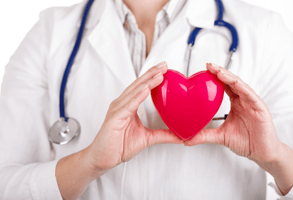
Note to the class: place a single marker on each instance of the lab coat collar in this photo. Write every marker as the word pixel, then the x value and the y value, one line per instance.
pixel 199 13
pixel 177 32
pixel 95 14
pixel 108 39
pixel 107 34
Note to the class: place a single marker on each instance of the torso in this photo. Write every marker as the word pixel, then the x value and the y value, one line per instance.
pixel 146 18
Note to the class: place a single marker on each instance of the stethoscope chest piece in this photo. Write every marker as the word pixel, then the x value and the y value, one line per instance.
pixel 63 132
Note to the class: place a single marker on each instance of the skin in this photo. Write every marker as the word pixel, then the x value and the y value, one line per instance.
pixel 145 12
pixel 121 137
pixel 248 131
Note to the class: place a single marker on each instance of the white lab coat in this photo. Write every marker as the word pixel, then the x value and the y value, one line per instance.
pixel 103 69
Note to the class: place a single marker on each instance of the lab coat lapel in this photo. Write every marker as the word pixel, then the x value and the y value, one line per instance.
pixel 196 13
pixel 108 40
pixel 168 41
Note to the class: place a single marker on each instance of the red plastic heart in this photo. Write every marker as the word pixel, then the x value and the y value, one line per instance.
pixel 188 104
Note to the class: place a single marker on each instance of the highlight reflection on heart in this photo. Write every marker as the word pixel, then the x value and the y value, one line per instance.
pixel 187 104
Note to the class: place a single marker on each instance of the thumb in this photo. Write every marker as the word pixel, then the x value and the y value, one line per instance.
pixel 161 136
pixel 207 136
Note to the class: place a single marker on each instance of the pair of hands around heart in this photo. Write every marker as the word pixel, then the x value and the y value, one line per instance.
pixel 248 131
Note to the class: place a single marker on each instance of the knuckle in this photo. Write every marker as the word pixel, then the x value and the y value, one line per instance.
pixel 110 115
pixel 223 69
pixel 144 85
pixel 238 78
pixel 149 138
pixel 131 93
pixel 123 93
pixel 136 80
pixel 113 104
pixel 127 107
pixel 136 101
pixel 152 70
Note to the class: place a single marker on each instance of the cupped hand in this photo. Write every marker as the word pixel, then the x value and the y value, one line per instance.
pixel 248 130
pixel 122 135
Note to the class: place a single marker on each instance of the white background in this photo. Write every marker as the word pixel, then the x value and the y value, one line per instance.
pixel 18 16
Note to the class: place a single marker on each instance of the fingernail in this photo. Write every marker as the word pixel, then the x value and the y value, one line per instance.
pixel 214 65
pixel 159 74
pixel 161 64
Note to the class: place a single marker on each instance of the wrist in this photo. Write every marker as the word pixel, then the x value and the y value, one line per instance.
pixel 279 161
pixel 73 175
pixel 281 168
pixel 91 163
pixel 276 159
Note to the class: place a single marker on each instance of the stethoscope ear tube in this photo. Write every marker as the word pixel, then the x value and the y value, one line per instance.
pixel 192 36
pixel 71 59
pixel 66 129
pixel 218 22
pixel 220 9
pixel 233 47
pixel 233 32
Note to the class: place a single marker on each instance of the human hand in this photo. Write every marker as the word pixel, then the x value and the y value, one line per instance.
pixel 122 135
pixel 248 130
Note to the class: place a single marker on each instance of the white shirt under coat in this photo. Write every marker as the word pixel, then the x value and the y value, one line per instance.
pixel 103 68
pixel 135 37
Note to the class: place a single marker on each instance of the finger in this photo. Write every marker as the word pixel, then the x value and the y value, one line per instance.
pixel 217 69
pixel 162 136
pixel 213 68
pixel 250 96
pixel 161 67
pixel 228 78
pixel 229 91
pixel 152 83
pixel 237 86
pixel 242 90
pixel 130 107
pixel 206 136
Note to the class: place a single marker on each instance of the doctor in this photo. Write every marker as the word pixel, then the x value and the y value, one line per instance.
pixel 120 152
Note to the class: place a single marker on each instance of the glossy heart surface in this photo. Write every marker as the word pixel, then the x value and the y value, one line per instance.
pixel 188 104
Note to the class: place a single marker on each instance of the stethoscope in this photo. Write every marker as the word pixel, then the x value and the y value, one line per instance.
pixel 218 22
pixel 66 129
